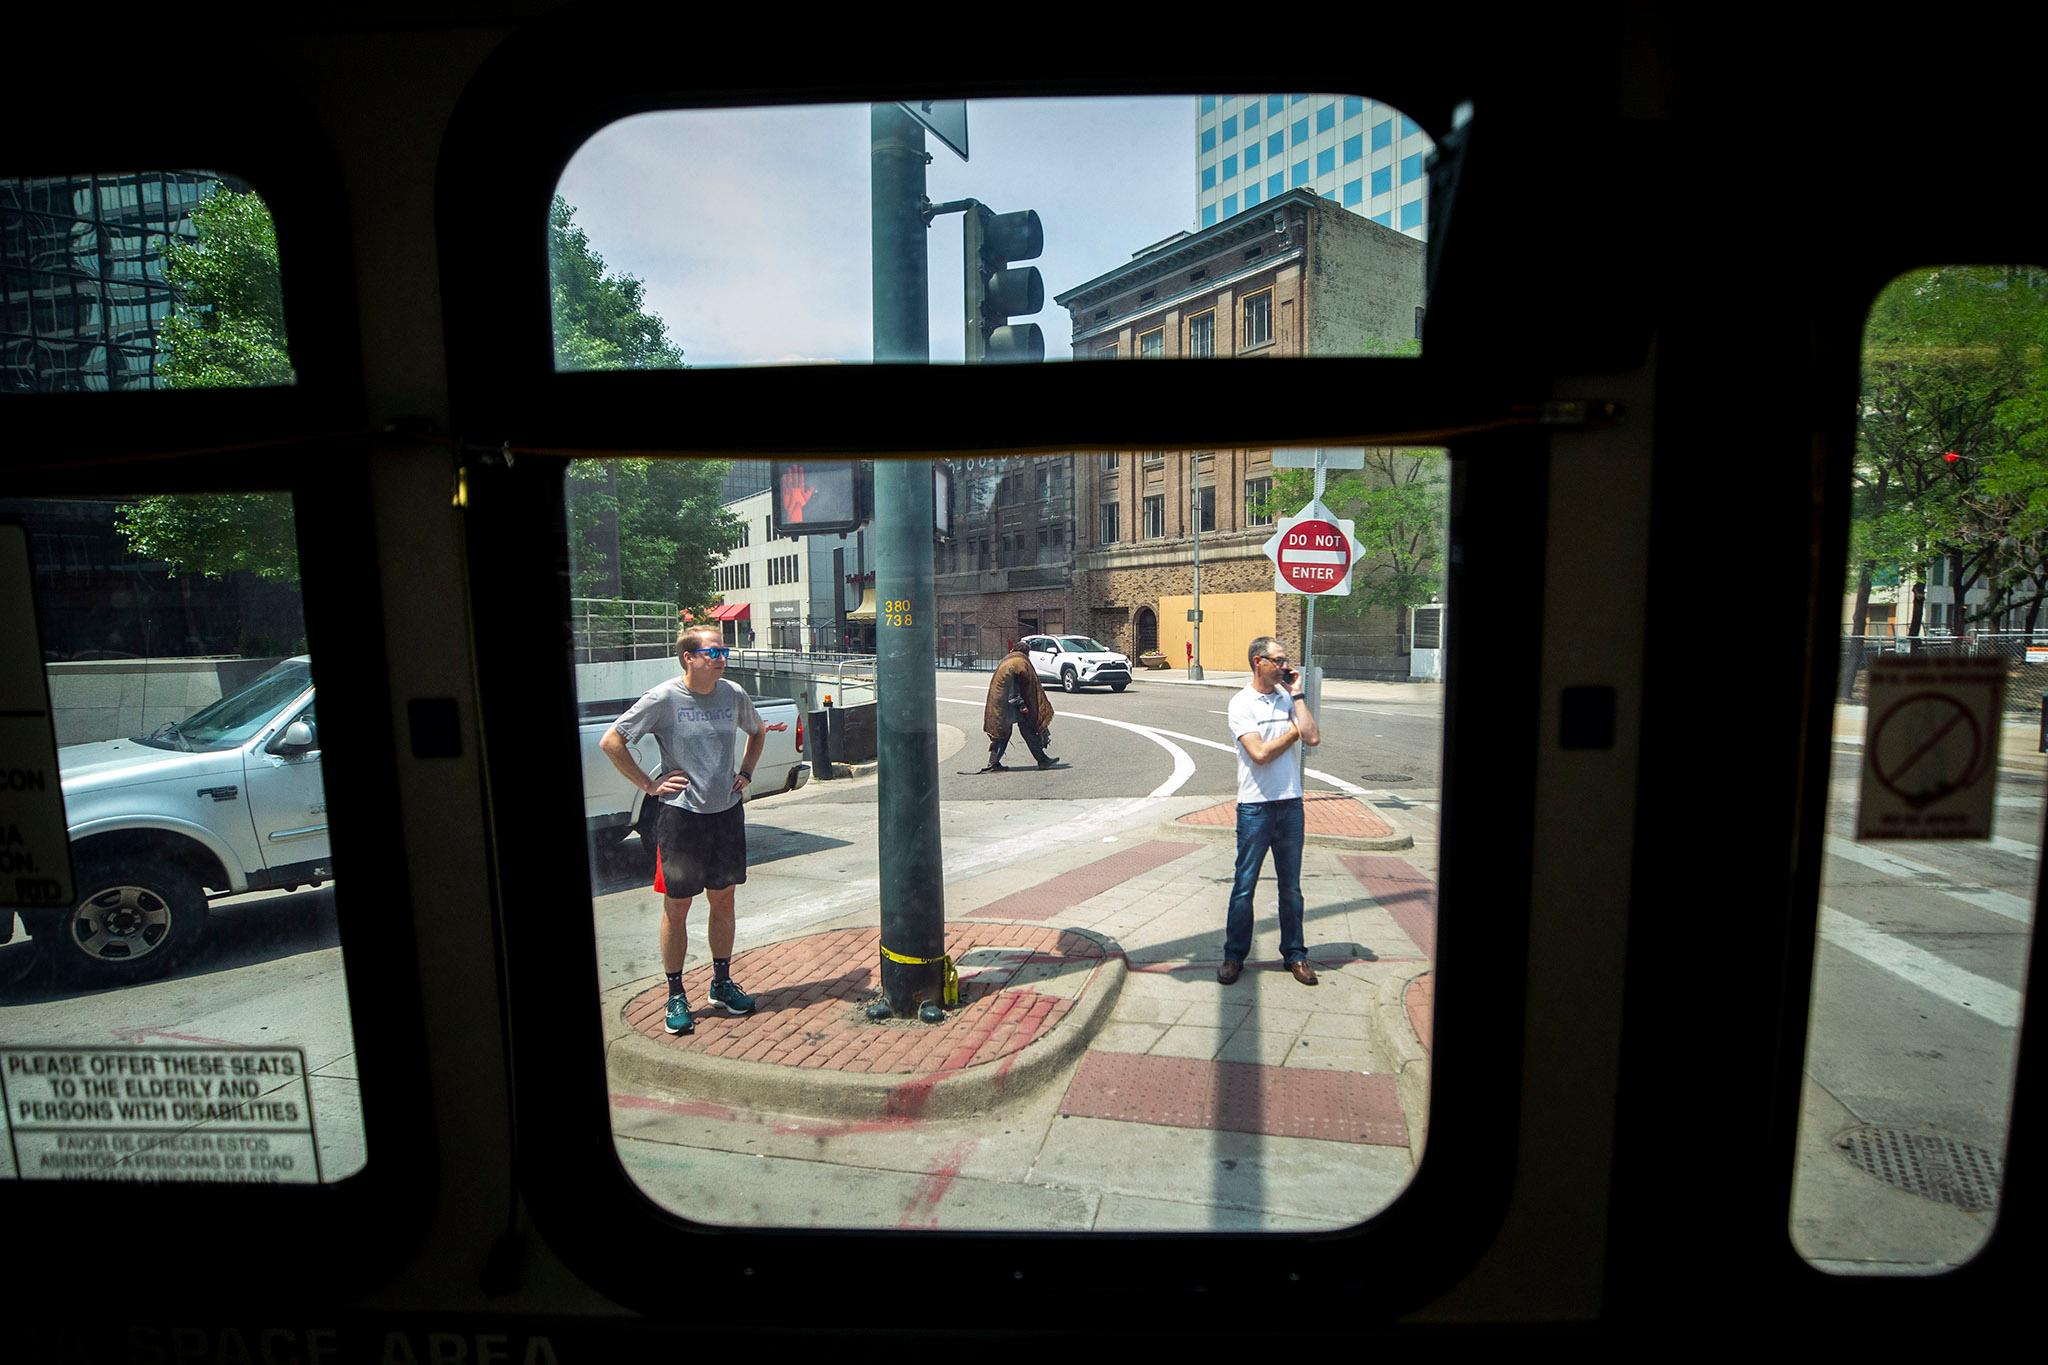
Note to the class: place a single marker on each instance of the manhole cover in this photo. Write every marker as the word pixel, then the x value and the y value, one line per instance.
pixel 1937 1168
pixel 1385 778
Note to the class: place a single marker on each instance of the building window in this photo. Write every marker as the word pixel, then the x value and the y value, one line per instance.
pixel 1155 517
pixel 1418 324
pixel 1251 155
pixel 1276 145
pixel 1230 128
pixel 1275 184
pixel 1106 352
pixel 1353 106
pixel 1326 118
pixel 1258 318
pixel 1208 139
pixel 1208 215
pixel 1205 500
pixel 1411 214
pixel 1108 524
pixel 1384 219
pixel 1208 177
pixel 1275 103
pixel 1354 149
pixel 1230 166
pixel 1383 135
pixel 1409 127
pixel 1208 104
pixel 1110 460
pixel 1258 502
pixel 1202 334
pixel 1298 134
pixel 1152 345
pixel 1251 195
pixel 1411 168
pixel 1297 175
pixel 1354 192
pixel 1326 161
pixel 1155 459
pixel 1383 180
pixel 743 536
pixel 1229 205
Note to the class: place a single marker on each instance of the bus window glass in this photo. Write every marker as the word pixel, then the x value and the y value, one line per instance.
pixel 141 280
pixel 1093 223
pixel 1027 784
pixel 184 1015
pixel 1927 905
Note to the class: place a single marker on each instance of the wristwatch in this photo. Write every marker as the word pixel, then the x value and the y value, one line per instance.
pixel 748 775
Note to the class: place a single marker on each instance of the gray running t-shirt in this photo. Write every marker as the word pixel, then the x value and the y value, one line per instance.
pixel 695 734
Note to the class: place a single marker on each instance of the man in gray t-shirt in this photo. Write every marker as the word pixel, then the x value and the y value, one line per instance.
pixel 701 834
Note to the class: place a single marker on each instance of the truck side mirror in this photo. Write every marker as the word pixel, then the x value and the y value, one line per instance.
pixel 297 738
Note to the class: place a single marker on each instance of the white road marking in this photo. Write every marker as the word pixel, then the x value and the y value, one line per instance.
pixel 1339 783
pixel 2002 903
pixel 1916 966
pixel 1183 765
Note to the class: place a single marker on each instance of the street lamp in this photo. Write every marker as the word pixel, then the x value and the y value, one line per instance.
pixel 1195 525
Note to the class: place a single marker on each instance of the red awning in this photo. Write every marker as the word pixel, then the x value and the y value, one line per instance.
pixel 732 611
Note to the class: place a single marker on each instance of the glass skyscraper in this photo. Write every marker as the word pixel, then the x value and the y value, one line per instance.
pixel 1360 153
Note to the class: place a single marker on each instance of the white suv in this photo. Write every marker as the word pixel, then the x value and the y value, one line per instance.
pixel 1076 661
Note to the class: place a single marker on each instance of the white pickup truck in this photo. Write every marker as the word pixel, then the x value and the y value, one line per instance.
pixel 614 808
pixel 230 800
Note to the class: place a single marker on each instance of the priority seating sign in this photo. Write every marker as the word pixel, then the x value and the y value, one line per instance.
pixel 1313 552
pixel 1930 754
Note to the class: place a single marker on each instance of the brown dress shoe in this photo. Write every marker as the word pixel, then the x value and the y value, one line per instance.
pixel 1303 973
pixel 1232 968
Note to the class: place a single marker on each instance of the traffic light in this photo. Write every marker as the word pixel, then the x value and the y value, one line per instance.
pixel 821 497
pixel 998 291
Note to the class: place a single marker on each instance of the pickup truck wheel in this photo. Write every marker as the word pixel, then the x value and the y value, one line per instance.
pixel 134 920
pixel 1069 680
pixel 650 821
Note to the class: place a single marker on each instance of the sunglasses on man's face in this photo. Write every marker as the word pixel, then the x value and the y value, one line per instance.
pixel 718 653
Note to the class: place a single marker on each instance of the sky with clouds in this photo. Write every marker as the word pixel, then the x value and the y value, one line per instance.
pixel 750 227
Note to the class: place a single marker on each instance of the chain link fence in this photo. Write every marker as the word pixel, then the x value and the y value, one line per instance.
pixel 2025 656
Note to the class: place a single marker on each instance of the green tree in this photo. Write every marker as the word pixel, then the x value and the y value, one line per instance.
pixel 651 529
pixel 601 322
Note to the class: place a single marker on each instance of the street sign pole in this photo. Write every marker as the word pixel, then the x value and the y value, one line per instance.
pixel 1312 680
pixel 913 910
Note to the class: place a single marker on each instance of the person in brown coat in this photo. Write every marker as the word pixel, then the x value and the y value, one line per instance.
pixel 1016 698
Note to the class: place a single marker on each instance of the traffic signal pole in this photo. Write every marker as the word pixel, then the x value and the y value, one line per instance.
pixel 912 870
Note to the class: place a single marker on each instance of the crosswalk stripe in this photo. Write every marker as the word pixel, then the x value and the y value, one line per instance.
pixel 1918 967
pixel 2018 909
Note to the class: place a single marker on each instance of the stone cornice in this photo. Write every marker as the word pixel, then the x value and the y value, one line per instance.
pixel 1251 225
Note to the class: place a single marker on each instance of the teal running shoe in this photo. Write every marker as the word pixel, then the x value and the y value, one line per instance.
pixel 679 1020
pixel 727 993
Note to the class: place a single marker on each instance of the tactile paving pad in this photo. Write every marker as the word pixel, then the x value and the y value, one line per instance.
pixel 1321 813
pixel 1069 889
pixel 1406 894
pixel 1238 1097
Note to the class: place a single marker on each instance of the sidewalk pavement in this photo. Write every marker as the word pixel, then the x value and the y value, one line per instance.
pixel 1340 689
pixel 1095 1073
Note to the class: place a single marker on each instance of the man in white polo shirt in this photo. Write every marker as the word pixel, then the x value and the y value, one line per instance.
pixel 1266 720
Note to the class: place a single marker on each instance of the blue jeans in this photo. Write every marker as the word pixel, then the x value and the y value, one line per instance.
pixel 1276 825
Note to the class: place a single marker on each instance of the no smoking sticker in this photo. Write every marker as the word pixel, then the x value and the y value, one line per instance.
pixel 1930 754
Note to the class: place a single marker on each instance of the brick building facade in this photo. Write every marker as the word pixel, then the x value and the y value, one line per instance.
pixel 1299 277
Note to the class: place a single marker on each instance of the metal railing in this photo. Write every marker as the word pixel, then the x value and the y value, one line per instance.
pixel 2025 655
pixel 608 629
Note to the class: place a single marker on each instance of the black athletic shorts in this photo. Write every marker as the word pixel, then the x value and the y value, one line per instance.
pixel 693 852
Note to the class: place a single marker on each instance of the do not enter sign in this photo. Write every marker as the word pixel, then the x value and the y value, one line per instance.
pixel 1313 553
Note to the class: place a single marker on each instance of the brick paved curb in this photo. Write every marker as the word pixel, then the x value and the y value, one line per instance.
pixel 1399 839
pixel 1409 1054
pixel 637 1061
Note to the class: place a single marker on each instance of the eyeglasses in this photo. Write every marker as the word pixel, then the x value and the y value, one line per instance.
pixel 1273 658
pixel 717 652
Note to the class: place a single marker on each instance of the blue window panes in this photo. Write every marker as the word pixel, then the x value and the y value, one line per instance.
pixel 1251 155
pixel 1326 161
pixel 1209 215
pixel 1251 195
pixel 1383 180
pixel 1411 168
pixel 1208 139
pixel 1297 175
pixel 1251 112
pixel 1353 106
pixel 1330 195
pixel 1275 103
pixel 1274 185
pixel 1354 192
pixel 1229 205
pixel 1299 133
pixel 1383 135
pixel 1384 219
pixel 1411 214
pixel 1354 149
pixel 1276 144
pixel 1229 167
pixel 1208 177
pixel 1230 128
pixel 1409 127
pixel 1208 104
pixel 1296 99
pixel 1326 118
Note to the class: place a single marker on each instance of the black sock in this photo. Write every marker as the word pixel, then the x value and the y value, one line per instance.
pixel 721 969
pixel 675 983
